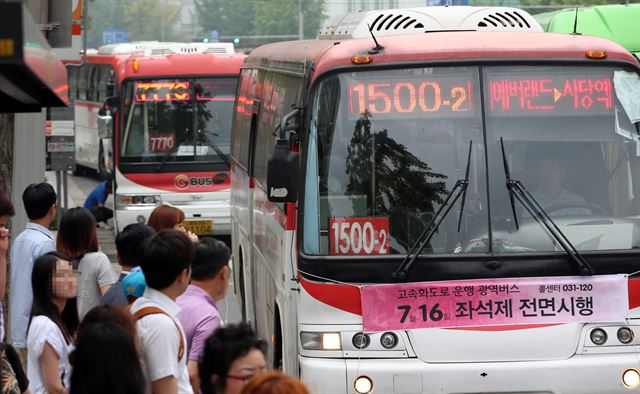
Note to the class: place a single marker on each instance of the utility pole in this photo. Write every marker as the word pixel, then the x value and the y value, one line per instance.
pixel 300 21
pixel 163 6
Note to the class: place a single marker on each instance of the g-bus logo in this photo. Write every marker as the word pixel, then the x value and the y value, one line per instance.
pixel 183 181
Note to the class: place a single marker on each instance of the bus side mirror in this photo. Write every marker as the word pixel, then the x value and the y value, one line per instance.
pixel 282 173
pixel 104 117
pixel 111 87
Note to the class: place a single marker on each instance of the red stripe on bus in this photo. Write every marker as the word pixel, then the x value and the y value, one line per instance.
pixel 76 29
pixel 343 297
pixel 634 293
pixel 292 214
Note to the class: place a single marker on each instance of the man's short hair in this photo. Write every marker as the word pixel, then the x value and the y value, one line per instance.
pixel 129 243
pixel 210 255
pixel 166 254
pixel 38 199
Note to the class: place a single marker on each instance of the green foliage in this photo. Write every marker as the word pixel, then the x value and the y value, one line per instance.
pixel 104 15
pixel 258 17
pixel 230 18
pixel 151 20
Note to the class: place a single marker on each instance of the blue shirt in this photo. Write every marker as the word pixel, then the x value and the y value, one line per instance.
pixel 32 243
pixel 97 197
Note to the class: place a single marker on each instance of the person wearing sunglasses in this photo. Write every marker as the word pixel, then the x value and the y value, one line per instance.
pixel 232 356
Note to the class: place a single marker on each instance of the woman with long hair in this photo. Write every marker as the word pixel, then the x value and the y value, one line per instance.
pixel 53 323
pixel 77 239
pixel 106 361
pixel 232 356
pixel 166 217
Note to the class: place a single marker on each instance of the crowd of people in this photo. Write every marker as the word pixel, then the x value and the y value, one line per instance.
pixel 78 327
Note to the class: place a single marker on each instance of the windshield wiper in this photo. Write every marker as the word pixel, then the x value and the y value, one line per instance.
pixel 459 189
pixel 165 158
pixel 517 190
pixel 202 134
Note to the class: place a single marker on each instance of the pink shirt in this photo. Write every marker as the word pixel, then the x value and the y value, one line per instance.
pixel 199 317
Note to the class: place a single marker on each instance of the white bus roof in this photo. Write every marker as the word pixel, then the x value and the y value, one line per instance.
pixel 153 48
pixel 427 19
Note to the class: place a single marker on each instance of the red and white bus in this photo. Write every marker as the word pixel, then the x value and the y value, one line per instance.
pixel 89 85
pixel 172 136
pixel 441 199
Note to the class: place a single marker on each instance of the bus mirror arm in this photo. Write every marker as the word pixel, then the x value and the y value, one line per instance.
pixel 283 166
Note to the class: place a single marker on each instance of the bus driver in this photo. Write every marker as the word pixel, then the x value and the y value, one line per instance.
pixel 550 193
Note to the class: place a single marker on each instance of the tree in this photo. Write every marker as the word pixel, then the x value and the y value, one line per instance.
pixel 259 17
pixel 229 18
pixel 406 188
pixel 152 20
pixel 105 15
pixel 271 14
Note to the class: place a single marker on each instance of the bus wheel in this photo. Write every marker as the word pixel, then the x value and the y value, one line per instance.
pixel 103 171
pixel 79 170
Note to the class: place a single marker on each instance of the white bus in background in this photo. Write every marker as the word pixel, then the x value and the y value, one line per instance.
pixel 94 81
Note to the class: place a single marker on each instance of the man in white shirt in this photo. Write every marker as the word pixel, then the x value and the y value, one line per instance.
pixel 166 264
pixel 36 240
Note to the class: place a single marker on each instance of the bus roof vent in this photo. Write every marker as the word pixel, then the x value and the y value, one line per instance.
pixel 159 51
pixel 428 20
pixel 155 48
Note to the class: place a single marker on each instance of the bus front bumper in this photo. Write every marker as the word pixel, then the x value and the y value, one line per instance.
pixel 218 215
pixel 596 374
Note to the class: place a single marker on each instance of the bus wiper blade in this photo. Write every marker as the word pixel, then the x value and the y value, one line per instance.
pixel 165 158
pixel 464 192
pixel 203 136
pixel 507 175
pixel 458 190
pixel 520 192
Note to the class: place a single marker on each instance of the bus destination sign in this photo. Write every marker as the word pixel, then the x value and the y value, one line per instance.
pixel 495 302
pixel 162 91
pixel 433 97
pixel 553 94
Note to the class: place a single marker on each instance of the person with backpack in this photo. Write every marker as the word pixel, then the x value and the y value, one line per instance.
pixel 128 250
pixel 166 264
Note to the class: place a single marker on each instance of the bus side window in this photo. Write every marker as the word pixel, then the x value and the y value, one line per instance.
pixel 281 93
pixel 73 82
pixel 243 115
pixel 83 82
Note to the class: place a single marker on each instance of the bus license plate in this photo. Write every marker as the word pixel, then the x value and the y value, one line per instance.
pixel 199 226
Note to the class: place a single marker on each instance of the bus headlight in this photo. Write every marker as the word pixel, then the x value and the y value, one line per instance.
pixel 136 200
pixel 320 340
pixel 363 385
pixel 361 340
pixel 631 378
pixel 389 340
pixel 598 336
pixel 625 335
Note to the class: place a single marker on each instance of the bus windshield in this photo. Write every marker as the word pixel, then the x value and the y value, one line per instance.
pixel 177 120
pixel 387 147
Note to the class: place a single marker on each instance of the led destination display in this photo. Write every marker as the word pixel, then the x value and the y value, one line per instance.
pixel 549 94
